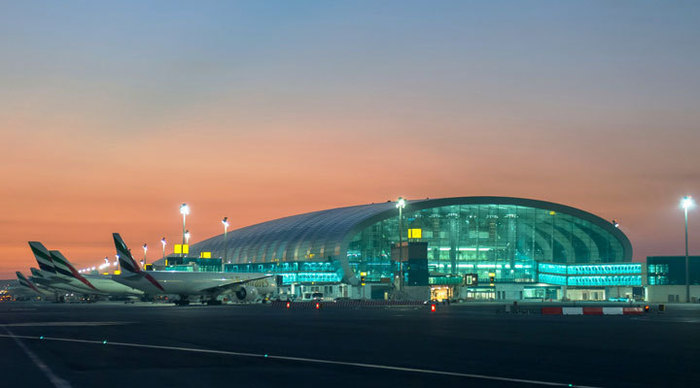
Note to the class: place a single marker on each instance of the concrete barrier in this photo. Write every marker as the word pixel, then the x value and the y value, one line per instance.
pixel 592 310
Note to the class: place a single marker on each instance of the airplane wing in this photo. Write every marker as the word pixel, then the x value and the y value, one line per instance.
pixel 216 290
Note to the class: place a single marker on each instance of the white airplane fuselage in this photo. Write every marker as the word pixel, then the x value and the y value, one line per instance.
pixel 184 283
pixel 63 284
pixel 107 285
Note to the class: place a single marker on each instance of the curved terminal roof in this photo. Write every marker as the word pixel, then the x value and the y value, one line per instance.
pixel 291 238
pixel 325 234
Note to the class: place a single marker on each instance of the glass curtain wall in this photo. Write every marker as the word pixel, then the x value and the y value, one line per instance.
pixel 504 240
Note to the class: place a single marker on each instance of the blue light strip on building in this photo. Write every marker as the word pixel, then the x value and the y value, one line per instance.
pixel 628 274
pixel 595 269
pixel 605 269
pixel 309 277
pixel 553 279
pixel 632 280
pixel 552 268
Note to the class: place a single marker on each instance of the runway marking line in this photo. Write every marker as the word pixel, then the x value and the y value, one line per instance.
pixel 302 359
pixel 55 380
pixel 68 324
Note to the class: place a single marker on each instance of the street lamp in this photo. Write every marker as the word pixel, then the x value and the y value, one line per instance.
pixel 225 223
pixel 687 203
pixel 187 237
pixel 184 210
pixel 400 204
pixel 145 249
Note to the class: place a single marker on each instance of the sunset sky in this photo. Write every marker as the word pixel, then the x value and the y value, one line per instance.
pixel 114 113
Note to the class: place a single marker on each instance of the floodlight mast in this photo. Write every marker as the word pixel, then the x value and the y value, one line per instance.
pixel 401 204
pixel 184 210
pixel 687 203
pixel 226 224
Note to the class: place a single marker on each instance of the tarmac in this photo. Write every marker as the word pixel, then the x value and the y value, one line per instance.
pixel 482 344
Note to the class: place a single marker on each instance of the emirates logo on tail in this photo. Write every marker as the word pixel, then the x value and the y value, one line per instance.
pixel 128 263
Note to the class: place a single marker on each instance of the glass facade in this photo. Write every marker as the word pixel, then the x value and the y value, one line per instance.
pixel 504 240
pixel 499 238
pixel 294 272
pixel 598 275
pixel 670 270
pixel 193 264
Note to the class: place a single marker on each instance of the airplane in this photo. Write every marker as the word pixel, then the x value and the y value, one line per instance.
pixel 26 289
pixel 99 284
pixel 43 281
pixel 209 285
pixel 50 276
pixel 38 277
pixel 23 281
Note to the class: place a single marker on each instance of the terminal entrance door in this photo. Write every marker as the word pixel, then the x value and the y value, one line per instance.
pixel 441 293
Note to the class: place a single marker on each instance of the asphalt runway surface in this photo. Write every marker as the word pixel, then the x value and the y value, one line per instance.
pixel 117 345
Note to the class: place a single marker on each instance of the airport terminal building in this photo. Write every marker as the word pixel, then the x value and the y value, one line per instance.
pixel 463 247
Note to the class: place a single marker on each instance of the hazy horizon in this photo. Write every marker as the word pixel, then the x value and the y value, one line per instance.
pixel 114 115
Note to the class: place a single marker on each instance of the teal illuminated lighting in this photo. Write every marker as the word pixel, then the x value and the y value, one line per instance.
pixel 552 268
pixel 553 279
pixel 467 249
pixel 615 280
pixel 104 342
pixel 445 280
pixel 595 269
pixel 594 281
pixel 604 269
pixel 303 277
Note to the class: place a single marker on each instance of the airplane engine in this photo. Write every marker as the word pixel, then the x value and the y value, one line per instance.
pixel 247 293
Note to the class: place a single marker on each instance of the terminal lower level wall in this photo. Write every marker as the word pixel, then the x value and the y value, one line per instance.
pixel 509 291
pixel 671 294
pixel 499 292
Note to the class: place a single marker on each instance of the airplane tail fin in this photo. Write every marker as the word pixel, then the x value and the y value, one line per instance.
pixel 26 282
pixel 36 272
pixel 65 268
pixel 59 264
pixel 126 261
pixel 43 257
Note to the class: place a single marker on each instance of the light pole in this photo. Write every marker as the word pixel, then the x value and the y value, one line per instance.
pixel 163 242
pixel 686 203
pixel 184 210
pixel 145 249
pixel 400 204
pixel 225 223
pixel 187 237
